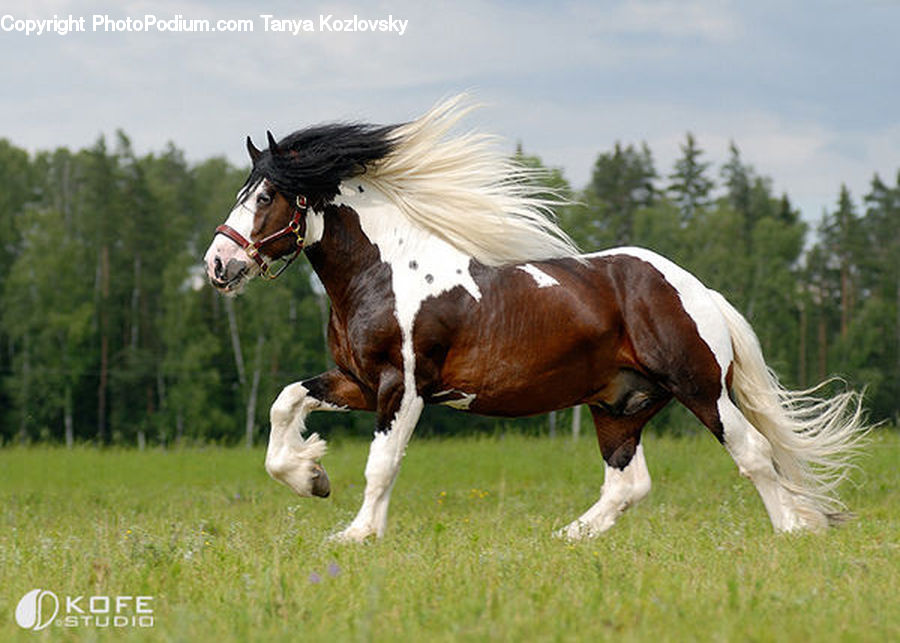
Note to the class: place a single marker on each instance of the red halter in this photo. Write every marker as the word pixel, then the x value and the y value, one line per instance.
pixel 292 229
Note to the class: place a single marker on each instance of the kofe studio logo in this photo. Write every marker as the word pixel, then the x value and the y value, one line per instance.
pixel 41 608
pixel 32 612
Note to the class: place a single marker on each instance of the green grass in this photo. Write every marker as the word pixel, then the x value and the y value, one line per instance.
pixel 228 554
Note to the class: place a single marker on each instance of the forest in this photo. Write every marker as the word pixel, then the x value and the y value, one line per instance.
pixel 109 334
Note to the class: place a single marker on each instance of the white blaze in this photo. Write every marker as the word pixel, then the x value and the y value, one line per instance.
pixel 241 220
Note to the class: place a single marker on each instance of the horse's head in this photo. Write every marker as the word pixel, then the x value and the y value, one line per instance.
pixel 267 223
pixel 271 220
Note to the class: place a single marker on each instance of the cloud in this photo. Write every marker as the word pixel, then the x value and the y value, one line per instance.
pixel 710 21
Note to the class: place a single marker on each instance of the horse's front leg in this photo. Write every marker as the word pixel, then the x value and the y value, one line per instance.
pixel 399 408
pixel 289 458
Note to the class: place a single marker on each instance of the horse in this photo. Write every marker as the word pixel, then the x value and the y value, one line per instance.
pixel 451 283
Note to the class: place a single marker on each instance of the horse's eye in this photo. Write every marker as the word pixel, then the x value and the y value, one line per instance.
pixel 264 198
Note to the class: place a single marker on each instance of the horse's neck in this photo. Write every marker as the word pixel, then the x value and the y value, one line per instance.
pixel 364 232
pixel 341 254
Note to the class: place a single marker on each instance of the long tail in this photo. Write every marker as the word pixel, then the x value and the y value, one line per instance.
pixel 813 439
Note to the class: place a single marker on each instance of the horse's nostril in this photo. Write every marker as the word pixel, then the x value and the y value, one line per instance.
pixel 235 268
pixel 219 268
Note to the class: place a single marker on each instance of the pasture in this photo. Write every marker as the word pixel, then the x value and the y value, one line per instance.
pixel 228 554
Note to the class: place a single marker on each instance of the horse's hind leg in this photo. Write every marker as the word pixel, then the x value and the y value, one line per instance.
pixel 626 479
pixel 699 386
pixel 752 453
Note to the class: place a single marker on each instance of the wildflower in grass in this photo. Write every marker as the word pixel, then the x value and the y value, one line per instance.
pixel 333 569
pixel 314 578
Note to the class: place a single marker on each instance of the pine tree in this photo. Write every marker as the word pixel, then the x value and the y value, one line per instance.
pixel 736 179
pixel 841 236
pixel 621 184
pixel 689 186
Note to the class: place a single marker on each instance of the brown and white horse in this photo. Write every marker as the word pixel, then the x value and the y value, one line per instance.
pixel 450 284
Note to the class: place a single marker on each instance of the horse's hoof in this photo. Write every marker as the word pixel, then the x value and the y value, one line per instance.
pixel 352 535
pixel 574 532
pixel 321 485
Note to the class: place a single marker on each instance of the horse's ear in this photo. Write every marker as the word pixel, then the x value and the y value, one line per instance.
pixel 251 149
pixel 273 146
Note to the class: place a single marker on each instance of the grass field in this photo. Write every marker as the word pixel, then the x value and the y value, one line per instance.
pixel 228 554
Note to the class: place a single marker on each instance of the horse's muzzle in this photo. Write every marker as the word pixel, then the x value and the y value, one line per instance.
pixel 226 276
pixel 321 486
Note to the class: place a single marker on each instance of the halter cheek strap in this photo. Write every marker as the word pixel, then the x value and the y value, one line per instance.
pixel 253 248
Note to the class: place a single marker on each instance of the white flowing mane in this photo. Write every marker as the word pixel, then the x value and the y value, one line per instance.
pixel 463 190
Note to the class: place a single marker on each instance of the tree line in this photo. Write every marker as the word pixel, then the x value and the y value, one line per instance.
pixel 109 334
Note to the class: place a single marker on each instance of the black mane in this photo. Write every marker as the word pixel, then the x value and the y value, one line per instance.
pixel 312 162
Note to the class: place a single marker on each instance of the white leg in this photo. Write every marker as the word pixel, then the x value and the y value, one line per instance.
pixel 385 455
pixel 621 489
pixel 289 458
pixel 752 453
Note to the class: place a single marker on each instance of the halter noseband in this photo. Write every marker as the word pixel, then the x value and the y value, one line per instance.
pixel 292 229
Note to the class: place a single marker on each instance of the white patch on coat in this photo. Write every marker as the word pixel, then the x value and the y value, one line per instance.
pixel 315 227
pixel 422 265
pixel 461 403
pixel 541 278
pixel 696 300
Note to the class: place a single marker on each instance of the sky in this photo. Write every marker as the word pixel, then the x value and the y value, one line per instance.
pixel 809 90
